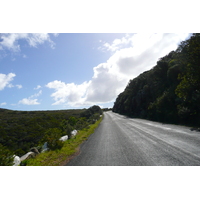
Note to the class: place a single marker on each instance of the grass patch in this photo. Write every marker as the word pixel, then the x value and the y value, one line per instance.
pixel 70 148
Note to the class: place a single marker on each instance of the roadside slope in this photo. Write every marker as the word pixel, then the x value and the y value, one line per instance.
pixel 68 151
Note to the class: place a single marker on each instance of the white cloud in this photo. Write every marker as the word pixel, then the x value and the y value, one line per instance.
pixel 117 44
pixel 105 84
pixel 3 104
pixel 10 85
pixel 10 40
pixel 38 87
pixel 37 94
pixel 30 100
pixel 70 92
pixel 144 52
pixel 55 34
pixel 19 86
pixel 132 55
pixel 5 80
pixel 39 38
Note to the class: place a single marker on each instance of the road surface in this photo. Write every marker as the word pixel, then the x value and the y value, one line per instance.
pixel 122 141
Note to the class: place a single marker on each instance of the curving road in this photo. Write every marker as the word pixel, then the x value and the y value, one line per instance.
pixel 122 141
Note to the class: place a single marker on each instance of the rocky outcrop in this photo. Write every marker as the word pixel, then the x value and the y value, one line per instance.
pixel 35 150
pixel 44 147
pixel 74 132
pixel 64 138
pixel 28 155
pixel 16 161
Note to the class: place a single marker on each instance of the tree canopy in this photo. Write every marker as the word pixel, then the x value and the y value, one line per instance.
pixel 170 91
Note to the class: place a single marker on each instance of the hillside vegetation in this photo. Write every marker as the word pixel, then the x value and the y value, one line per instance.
pixel 70 148
pixel 170 91
pixel 22 130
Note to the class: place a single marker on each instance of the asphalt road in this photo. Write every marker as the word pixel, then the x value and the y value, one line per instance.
pixel 122 141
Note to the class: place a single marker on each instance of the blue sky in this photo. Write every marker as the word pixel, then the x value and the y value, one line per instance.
pixel 69 71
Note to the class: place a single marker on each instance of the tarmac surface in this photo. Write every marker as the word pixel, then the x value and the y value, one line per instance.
pixel 123 141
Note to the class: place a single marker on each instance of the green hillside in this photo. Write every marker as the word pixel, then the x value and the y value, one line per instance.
pixel 22 130
pixel 170 91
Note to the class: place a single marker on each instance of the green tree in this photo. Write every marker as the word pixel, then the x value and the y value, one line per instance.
pixel 189 88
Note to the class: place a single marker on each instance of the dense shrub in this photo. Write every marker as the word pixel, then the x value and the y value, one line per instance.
pixel 52 138
pixel 6 156
pixel 22 130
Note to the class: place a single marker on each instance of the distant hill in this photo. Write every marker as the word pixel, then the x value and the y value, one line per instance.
pixel 170 91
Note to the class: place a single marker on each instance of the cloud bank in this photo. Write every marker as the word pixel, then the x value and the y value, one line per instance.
pixel 9 41
pixel 131 55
